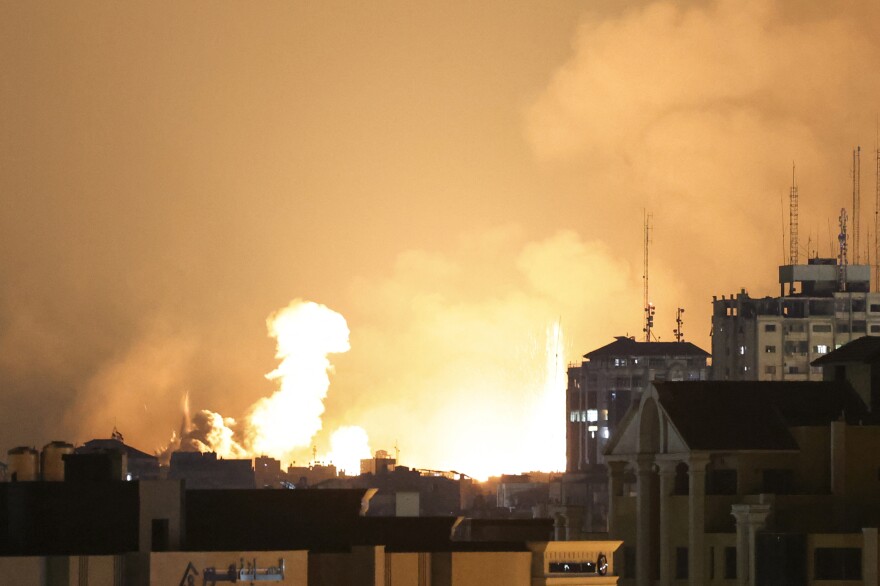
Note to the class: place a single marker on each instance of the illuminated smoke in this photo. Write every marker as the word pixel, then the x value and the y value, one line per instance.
pixel 348 446
pixel 306 332
pixel 279 425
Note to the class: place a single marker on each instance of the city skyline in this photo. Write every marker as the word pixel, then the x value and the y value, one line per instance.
pixel 452 179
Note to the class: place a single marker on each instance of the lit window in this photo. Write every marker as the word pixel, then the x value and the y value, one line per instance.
pixel 604 414
pixel 593 428
pixel 605 433
pixel 821 349
pixel 592 415
pixel 742 350
pixel 770 349
pixel 620 362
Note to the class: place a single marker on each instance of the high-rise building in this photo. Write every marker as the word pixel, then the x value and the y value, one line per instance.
pixel 609 380
pixel 822 305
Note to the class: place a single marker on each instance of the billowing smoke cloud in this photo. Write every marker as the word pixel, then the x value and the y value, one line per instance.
pixel 306 333
pixel 283 424
pixel 460 361
pixel 695 111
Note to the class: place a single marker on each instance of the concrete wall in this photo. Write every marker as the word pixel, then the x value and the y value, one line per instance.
pixel 481 569
pixel 364 566
pixel 171 568
pixel 407 569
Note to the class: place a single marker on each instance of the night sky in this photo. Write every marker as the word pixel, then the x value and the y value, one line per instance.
pixel 451 177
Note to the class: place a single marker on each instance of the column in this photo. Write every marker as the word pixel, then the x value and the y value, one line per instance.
pixel 749 520
pixel 615 491
pixel 697 518
pixel 644 519
pixel 667 487
pixel 869 556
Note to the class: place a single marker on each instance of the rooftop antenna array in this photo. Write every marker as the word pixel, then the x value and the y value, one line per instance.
pixel 793 220
pixel 841 255
pixel 855 219
pixel 649 307
pixel 679 334
pixel 877 221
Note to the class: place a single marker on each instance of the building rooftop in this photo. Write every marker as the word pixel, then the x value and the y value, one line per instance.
pixel 623 346
pixel 754 415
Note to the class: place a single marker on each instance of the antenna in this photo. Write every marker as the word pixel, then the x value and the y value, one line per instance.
pixel 649 307
pixel 855 219
pixel 679 334
pixel 841 256
pixel 396 453
pixel 793 221
pixel 877 220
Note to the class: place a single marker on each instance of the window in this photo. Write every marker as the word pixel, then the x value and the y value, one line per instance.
pixel 769 327
pixel 859 327
pixel 838 563
pixel 681 563
pixel 875 329
pixel 820 349
pixel 770 349
pixel 875 308
pixel 742 350
pixel 605 433
pixel 769 370
pixel 821 328
pixel 620 362
pixel 603 414
pixel 592 415
pixel 794 328
pixel 794 370
pixel 730 563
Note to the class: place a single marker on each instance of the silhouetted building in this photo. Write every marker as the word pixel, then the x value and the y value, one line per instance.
pixel 749 481
pixel 136 465
pixel 268 474
pixel 205 471
pixel 609 380
pixel 821 306
pixel 306 476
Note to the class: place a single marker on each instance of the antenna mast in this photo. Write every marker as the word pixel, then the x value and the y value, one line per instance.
pixel 649 307
pixel 679 334
pixel 877 225
pixel 793 221
pixel 855 219
pixel 841 256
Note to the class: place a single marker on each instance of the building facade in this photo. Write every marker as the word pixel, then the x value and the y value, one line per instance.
pixel 609 380
pixel 821 307
pixel 750 482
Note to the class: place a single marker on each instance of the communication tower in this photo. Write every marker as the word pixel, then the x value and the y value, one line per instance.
pixel 649 307
pixel 841 256
pixel 679 334
pixel 855 219
pixel 793 221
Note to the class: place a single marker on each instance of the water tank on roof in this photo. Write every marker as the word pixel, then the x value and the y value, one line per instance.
pixel 52 462
pixel 24 464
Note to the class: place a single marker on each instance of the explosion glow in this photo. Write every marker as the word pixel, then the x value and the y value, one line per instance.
pixel 348 446
pixel 286 422
pixel 305 332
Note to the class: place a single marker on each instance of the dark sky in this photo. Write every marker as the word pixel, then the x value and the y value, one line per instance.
pixel 451 177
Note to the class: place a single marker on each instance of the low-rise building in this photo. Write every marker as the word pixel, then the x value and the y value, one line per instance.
pixel 721 482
